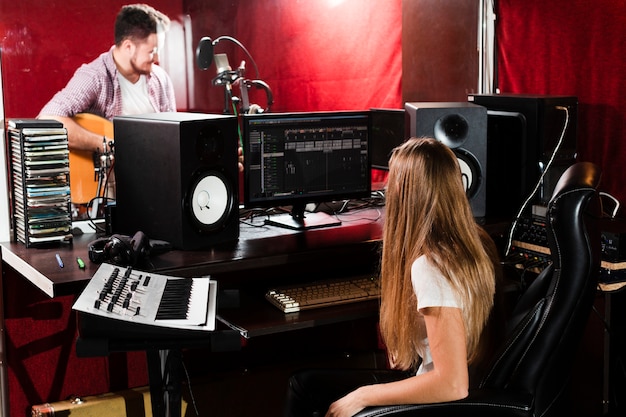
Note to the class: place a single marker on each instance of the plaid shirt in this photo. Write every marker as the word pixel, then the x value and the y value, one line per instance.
pixel 94 88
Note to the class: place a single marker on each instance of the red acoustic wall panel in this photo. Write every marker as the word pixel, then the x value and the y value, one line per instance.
pixel 315 55
pixel 43 42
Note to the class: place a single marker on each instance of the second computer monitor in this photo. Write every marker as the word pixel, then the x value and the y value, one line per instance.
pixel 387 132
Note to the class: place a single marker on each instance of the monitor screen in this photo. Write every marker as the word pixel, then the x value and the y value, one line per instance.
pixel 292 159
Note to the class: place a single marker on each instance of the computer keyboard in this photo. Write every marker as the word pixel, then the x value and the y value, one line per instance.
pixel 325 293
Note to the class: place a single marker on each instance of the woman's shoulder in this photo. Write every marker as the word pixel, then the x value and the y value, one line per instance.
pixel 424 264
pixel 425 272
pixel 430 284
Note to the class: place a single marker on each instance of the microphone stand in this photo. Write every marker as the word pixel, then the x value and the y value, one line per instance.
pixel 228 91
pixel 227 77
pixel 104 163
pixel 247 84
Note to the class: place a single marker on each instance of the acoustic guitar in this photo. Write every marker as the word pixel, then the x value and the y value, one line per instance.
pixel 83 178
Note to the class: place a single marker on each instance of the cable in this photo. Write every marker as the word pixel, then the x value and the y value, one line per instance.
pixel 235 41
pixel 193 399
pixel 540 181
pixel 240 136
pixel 604 196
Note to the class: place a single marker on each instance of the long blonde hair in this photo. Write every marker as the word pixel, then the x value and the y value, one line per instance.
pixel 427 213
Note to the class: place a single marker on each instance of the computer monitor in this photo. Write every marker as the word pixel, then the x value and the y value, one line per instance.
pixel 292 159
pixel 387 132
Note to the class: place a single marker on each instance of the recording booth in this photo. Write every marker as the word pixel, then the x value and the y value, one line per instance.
pixel 257 235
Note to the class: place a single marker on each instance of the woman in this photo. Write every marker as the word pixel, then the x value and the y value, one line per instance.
pixel 437 293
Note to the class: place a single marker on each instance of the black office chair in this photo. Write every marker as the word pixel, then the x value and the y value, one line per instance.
pixel 529 375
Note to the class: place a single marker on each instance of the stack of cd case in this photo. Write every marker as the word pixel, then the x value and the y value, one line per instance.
pixel 40 187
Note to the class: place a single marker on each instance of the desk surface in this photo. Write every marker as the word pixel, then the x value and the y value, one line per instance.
pixel 263 256
pixel 259 248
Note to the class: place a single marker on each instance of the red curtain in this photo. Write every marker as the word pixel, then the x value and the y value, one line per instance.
pixel 572 47
pixel 315 55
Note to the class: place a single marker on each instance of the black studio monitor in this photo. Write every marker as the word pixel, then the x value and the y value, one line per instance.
pixel 463 128
pixel 177 178
pixel 522 134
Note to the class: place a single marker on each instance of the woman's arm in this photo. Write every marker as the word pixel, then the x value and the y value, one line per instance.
pixel 448 380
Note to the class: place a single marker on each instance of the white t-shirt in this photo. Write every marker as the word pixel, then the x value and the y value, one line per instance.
pixel 432 290
pixel 135 97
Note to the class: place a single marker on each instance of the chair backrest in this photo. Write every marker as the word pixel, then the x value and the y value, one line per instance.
pixel 548 322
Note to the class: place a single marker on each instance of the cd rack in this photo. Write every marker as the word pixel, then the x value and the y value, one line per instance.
pixel 40 181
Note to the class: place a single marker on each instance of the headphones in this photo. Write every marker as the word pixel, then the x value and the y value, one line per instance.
pixel 120 249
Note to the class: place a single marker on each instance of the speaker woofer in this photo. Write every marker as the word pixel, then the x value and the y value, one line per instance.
pixel 471 172
pixel 210 201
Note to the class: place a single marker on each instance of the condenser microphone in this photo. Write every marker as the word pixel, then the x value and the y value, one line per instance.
pixel 224 71
pixel 222 65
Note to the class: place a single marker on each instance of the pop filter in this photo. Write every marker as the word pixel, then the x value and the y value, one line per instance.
pixel 204 53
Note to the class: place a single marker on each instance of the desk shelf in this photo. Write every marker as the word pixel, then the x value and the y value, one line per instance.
pixel 257 317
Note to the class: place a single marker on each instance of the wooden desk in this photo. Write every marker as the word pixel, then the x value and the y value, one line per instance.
pixel 259 247
pixel 263 256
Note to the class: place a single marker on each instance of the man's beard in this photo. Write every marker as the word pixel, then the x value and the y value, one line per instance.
pixel 138 69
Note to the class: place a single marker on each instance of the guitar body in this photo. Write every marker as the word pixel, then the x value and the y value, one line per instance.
pixel 83 179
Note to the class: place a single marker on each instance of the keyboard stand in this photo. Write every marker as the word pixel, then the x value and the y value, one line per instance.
pixel 115 332
pixel 165 376
pixel 165 364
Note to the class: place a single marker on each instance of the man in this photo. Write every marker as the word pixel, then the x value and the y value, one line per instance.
pixel 122 81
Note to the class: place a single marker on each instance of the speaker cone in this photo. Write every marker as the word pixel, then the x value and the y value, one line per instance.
pixel 210 201
pixel 470 171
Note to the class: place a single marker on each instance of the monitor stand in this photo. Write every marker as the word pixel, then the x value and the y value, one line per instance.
pixel 297 219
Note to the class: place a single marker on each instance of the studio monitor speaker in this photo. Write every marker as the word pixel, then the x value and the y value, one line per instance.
pixel 523 132
pixel 177 178
pixel 463 128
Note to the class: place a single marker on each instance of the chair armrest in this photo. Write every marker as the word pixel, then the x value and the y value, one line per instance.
pixel 480 402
